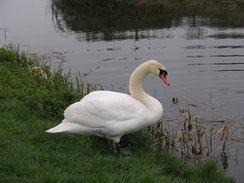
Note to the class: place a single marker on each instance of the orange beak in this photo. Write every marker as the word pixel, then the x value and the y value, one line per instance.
pixel 165 80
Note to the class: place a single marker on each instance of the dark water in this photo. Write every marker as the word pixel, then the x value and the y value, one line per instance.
pixel 204 54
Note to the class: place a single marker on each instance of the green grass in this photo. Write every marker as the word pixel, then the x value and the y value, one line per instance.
pixel 28 154
pixel 45 93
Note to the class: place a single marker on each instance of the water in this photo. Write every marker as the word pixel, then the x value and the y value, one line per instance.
pixel 204 55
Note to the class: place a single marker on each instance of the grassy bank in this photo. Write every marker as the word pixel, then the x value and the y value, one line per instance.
pixel 32 100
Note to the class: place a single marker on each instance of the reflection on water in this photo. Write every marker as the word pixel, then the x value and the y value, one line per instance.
pixel 233 63
pixel 228 36
pixel 202 56
pixel 112 21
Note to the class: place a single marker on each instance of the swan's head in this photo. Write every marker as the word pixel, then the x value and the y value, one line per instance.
pixel 159 70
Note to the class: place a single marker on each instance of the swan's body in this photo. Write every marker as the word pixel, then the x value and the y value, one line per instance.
pixel 112 114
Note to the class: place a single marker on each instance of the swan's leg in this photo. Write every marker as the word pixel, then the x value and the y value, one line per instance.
pixel 124 151
pixel 116 147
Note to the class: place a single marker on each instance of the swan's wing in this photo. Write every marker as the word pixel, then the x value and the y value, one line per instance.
pixel 101 108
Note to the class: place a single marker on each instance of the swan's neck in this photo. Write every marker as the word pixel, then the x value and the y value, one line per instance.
pixel 136 83
pixel 137 91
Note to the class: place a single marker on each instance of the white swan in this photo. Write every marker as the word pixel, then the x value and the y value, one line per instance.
pixel 112 114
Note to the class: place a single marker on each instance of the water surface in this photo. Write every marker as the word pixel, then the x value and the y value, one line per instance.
pixel 204 54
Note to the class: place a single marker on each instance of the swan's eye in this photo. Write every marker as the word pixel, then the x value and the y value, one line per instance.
pixel 164 72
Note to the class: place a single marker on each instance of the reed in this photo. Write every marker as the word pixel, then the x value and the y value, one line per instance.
pixel 191 138
pixel 224 134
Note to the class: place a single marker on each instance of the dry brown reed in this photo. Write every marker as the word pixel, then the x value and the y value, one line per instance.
pixel 191 138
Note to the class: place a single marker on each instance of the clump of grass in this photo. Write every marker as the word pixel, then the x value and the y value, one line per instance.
pixel 42 91
pixel 162 140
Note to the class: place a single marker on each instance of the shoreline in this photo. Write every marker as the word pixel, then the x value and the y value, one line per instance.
pixel 29 97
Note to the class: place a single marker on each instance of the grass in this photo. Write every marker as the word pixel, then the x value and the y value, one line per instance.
pixel 45 93
pixel 28 154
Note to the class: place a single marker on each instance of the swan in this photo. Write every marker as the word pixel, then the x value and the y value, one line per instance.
pixel 112 114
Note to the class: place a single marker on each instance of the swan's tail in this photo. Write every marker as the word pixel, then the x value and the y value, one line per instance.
pixel 58 129
pixel 64 127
